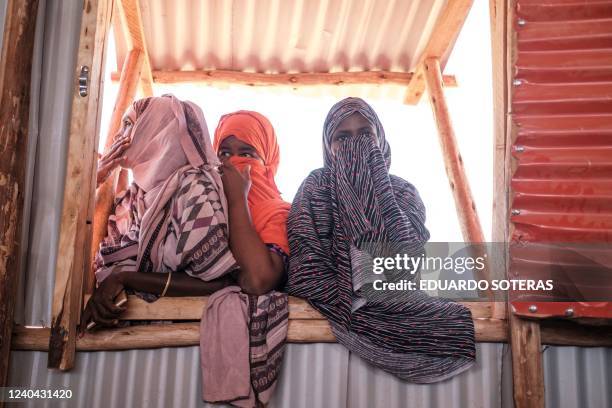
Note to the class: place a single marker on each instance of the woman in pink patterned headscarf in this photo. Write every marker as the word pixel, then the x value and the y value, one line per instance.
pixel 167 233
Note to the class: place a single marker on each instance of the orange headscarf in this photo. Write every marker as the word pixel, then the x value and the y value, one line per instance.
pixel 268 210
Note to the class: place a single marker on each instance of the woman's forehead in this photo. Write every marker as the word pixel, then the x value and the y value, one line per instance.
pixel 354 121
pixel 233 141
pixel 129 114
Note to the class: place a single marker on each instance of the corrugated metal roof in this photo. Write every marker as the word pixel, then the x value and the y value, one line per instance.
pixel 561 102
pixel 286 35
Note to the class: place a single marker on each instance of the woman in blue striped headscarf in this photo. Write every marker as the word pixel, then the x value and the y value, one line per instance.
pixel 348 212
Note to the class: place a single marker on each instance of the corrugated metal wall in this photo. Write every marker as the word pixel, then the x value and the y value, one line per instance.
pixel 578 377
pixel 57 36
pixel 3 4
pixel 561 103
pixel 314 375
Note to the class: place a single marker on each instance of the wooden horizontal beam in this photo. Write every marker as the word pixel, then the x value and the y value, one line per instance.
pixel 188 334
pixel 556 333
pixel 568 332
pixel 292 80
pixel 190 308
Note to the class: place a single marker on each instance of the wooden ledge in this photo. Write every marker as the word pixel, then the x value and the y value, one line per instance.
pixel 188 334
pixel 190 308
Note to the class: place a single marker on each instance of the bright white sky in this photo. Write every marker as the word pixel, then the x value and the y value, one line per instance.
pixel 416 156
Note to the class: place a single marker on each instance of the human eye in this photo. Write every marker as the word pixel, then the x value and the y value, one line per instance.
pixel 248 155
pixel 223 153
pixel 341 137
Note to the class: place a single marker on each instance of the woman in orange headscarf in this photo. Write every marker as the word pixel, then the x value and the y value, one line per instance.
pixel 246 144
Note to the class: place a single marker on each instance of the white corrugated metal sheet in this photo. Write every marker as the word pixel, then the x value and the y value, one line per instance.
pixel 313 375
pixel 578 377
pixel 286 35
pixel 316 375
pixel 3 4
pixel 480 386
pixel 52 75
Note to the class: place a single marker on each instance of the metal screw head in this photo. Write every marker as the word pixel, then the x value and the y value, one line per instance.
pixel 84 81
pixel 521 22
pixel 517 82
pixel 533 308
pixel 569 312
pixel 516 212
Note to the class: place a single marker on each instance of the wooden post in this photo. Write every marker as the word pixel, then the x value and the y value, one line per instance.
pixel 459 183
pixel 15 74
pixel 498 12
pixel 73 252
pixel 105 194
pixel 525 335
pixel 527 370
pixel 466 208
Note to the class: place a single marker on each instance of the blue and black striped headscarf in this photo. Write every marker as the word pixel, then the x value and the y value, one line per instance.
pixel 342 110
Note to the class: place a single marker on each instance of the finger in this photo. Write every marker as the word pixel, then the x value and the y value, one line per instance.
pixel 103 311
pixel 107 168
pixel 118 150
pixel 116 162
pixel 228 166
pixel 117 147
pixel 85 317
pixel 113 308
pixel 96 317
pixel 246 172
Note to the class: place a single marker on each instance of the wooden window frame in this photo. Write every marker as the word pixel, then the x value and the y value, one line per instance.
pixel 84 221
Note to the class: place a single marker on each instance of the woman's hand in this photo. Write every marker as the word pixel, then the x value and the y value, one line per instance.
pixel 101 306
pixel 109 161
pixel 235 183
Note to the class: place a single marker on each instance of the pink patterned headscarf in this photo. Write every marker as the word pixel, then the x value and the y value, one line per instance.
pixel 163 141
pixel 174 215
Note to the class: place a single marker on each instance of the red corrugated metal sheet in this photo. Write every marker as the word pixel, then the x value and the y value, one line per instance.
pixel 561 188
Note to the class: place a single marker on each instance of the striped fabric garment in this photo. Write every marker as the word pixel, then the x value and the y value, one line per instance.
pixel 338 212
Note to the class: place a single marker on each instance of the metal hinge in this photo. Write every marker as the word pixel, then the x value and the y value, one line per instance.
pixel 84 81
